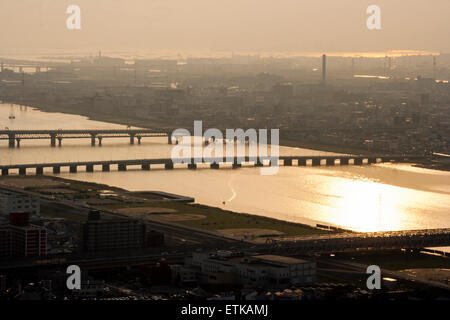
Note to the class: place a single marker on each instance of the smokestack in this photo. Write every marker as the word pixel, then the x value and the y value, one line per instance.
pixel 434 67
pixel 324 69
pixel 353 67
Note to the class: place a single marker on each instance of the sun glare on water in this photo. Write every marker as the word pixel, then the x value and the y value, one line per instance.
pixel 369 206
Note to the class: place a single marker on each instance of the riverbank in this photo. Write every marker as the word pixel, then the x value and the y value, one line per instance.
pixel 159 207
pixel 433 165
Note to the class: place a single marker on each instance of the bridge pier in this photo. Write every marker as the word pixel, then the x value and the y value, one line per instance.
pixel 12 143
pixel 122 167
pixel 214 166
pixel 59 141
pixel 259 163
pixel 132 138
pixel 315 162
pixel 302 162
pixel 89 168
pixel 100 141
pixel 5 172
pixel 169 138
pixel 105 167
pixel 73 169
pixel 273 162
pixel 146 166
pixel 39 170
pixel 92 140
pixel 288 162
pixel 343 161
pixel 52 140
pixel 18 142
pixel 236 165
pixel 358 161
pixel 371 160
pixel 168 166
pixel 56 169
pixel 139 139
pixel 330 162
pixel 192 166
pixel 23 171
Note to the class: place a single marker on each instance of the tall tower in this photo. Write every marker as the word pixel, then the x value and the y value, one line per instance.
pixel 434 67
pixel 324 69
pixel 353 67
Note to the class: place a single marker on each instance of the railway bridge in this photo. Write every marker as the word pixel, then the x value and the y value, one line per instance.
pixel 14 137
pixel 360 241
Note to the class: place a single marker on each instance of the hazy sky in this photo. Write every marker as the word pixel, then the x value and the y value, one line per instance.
pixel 224 25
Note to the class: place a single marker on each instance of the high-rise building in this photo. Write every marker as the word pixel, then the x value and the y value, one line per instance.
pixel 28 241
pixel 324 69
pixel 102 235
pixel 21 239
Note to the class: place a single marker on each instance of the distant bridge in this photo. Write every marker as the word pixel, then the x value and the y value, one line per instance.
pixel 212 163
pixel 14 137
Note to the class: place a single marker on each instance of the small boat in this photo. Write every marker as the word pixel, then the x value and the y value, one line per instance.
pixel 12 117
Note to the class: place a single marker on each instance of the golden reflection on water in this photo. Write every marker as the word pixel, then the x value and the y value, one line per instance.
pixel 369 206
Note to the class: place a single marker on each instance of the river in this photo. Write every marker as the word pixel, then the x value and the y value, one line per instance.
pixel 380 197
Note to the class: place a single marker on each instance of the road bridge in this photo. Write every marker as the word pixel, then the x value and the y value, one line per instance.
pixel 212 163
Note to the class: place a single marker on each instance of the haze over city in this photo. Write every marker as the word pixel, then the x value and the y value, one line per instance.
pixel 257 26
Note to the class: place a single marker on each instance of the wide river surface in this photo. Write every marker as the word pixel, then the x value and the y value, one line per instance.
pixel 365 198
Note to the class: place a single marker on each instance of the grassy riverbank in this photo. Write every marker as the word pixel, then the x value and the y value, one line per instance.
pixel 149 207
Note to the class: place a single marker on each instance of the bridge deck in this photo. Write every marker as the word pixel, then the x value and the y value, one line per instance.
pixel 83 133
pixel 213 162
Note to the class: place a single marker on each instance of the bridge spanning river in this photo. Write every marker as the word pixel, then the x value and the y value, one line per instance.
pixel 212 163
pixel 14 137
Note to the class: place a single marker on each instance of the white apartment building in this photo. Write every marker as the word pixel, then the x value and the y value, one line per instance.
pixel 16 202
